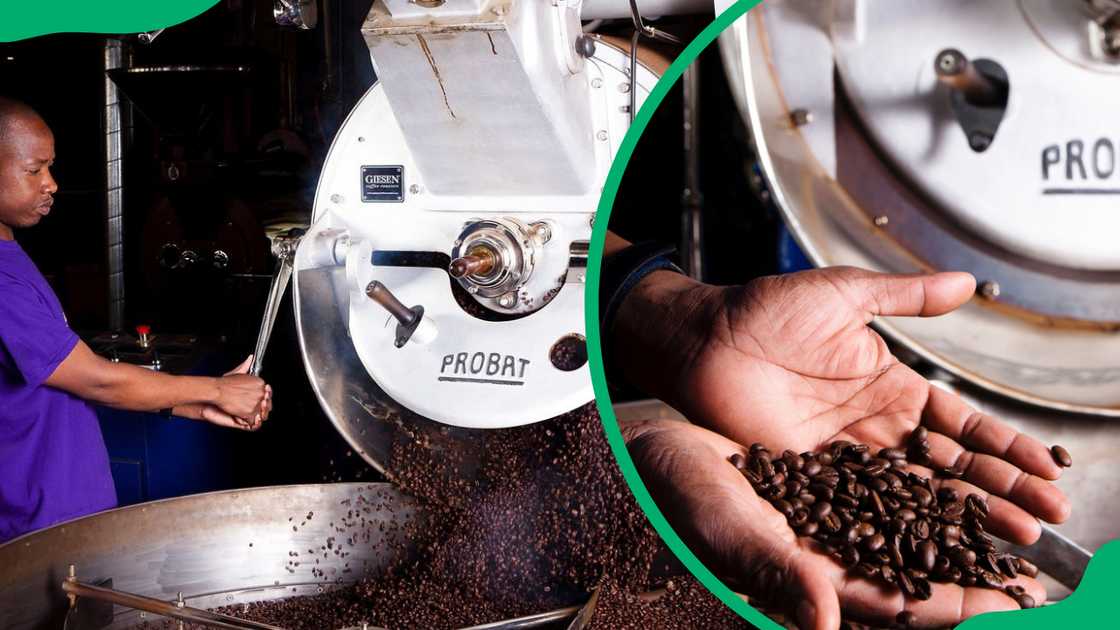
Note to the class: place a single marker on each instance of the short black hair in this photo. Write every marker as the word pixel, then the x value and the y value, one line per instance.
pixel 12 110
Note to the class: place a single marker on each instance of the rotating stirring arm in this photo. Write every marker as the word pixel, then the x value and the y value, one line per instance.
pixel 174 610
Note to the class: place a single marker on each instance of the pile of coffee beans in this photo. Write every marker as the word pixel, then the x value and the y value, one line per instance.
pixel 881 522
pixel 527 520
pixel 683 605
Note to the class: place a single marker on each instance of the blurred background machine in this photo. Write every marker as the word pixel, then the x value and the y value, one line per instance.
pixel 435 238
pixel 908 136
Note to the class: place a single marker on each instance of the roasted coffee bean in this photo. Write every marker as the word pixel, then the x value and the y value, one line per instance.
pixel 922 496
pixel 892 453
pixel 778 479
pixel 920 529
pixel 922 588
pixel 819 511
pixel 799 518
pixel 825 459
pixel 987 562
pixel 977 505
pixel 919 434
pixel 927 555
pixel 785 507
pixel 906 515
pixel 887 572
pixel 866 529
pixel 895 555
pixel 988 579
pixel 866 570
pixel 878 485
pixel 849 535
pixel 941 565
pixel 1025 601
pixel 845 501
pixel 947 495
pixel 811 467
pixel 1026 567
pixel 1014 590
pixel 806 498
pixel 1008 566
pixel 1061 456
pixel 775 492
pixel 906 619
pixel 737 460
pixel 807 529
pixel 874 542
pixel 875 467
pixel 758 447
pixel 962 556
pixel 849 556
pixel 753 477
pixel 821 491
pixel 877 505
pixel 905 584
pixel 831 523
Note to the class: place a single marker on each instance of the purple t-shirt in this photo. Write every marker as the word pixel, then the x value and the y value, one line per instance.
pixel 53 462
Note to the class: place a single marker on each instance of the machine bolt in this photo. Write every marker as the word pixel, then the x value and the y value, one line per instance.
pixel 361 138
pixel 507 300
pixel 624 87
pixel 596 83
pixel 541 231
pixel 414 189
pixel 472 289
pixel 882 220
pixel 801 117
pixel 336 198
pixel 428 4
pixel 602 135
pixel 989 289
pixel 585 46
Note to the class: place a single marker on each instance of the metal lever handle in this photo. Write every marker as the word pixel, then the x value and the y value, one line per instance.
pixel 408 319
pixel 284 247
pixel 75 589
pixel 956 71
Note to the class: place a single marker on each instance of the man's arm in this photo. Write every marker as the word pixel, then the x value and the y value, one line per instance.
pixel 124 386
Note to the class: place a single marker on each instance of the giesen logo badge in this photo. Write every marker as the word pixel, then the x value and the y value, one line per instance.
pixel 382 184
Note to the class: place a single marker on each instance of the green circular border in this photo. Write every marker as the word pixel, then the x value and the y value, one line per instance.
pixel 24 19
pixel 598 377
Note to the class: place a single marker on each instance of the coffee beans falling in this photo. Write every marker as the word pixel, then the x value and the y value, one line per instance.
pixel 880 521
pixel 1061 456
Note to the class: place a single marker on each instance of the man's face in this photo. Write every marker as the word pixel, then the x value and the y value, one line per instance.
pixel 26 186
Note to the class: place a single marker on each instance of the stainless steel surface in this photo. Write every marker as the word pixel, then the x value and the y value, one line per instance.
pixel 172 610
pixel 618 9
pixel 1057 363
pixel 218 549
pixel 114 183
pixel 368 418
pixel 547 619
pixel 1057 556
pixel 300 14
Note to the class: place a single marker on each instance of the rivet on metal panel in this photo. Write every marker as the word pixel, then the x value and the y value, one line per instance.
pixel 989 289
pixel 507 300
pixel 624 87
pixel 336 198
pixel 414 189
pixel 882 220
pixel 596 83
pixel 602 135
pixel 800 117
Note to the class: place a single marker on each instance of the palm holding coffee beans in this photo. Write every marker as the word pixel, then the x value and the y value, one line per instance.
pixel 790 362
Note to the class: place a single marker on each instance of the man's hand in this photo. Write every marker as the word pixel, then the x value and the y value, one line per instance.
pixel 243 396
pixel 791 362
pixel 749 544
pixel 215 415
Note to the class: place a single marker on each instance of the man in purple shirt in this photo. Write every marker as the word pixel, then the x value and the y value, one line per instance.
pixel 53 462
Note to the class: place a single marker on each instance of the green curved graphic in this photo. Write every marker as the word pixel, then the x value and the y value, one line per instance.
pixel 1086 607
pixel 23 19
pixel 598 376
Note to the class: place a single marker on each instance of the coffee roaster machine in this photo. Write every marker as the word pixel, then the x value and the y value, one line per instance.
pixel 903 136
pixel 438 292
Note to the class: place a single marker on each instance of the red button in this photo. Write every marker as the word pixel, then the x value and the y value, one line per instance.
pixel 143 330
